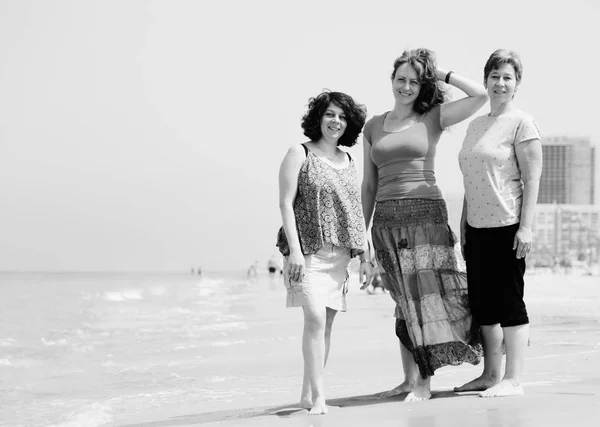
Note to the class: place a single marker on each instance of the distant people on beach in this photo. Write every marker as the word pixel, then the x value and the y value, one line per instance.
pixel 501 161
pixel 323 228
pixel 413 243
pixel 274 265
pixel 253 270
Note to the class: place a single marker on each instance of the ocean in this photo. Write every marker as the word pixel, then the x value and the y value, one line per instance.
pixel 88 350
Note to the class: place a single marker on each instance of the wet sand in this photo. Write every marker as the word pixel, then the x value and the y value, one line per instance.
pixel 562 378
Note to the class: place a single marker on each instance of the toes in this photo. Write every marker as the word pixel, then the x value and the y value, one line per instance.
pixel 412 397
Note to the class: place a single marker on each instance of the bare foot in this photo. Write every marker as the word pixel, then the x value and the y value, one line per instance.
pixel 405 387
pixel 413 396
pixel 478 384
pixel 502 389
pixel 319 407
pixel 306 402
pixel 421 391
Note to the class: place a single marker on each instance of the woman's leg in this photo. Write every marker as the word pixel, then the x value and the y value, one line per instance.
pixel 421 390
pixel 515 323
pixel 492 360
pixel 328 325
pixel 515 340
pixel 418 388
pixel 411 372
pixel 306 397
pixel 313 351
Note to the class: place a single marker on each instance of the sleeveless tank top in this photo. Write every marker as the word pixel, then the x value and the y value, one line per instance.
pixel 327 208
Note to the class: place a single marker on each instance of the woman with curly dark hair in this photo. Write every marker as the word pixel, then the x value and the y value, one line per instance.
pixel 413 243
pixel 323 228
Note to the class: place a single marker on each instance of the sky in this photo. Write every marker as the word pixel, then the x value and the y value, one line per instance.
pixel 147 135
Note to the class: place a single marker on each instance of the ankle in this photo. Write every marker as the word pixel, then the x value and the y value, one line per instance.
pixel 515 381
pixel 318 399
pixel 410 382
pixel 494 377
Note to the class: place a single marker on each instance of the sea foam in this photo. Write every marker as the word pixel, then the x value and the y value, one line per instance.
pixel 123 295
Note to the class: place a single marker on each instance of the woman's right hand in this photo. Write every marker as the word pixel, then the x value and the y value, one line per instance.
pixel 463 237
pixel 296 265
pixel 463 228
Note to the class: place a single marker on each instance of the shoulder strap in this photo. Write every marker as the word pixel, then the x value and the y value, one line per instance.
pixel 349 156
pixel 305 149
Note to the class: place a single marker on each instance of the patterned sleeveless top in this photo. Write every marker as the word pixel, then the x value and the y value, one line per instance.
pixel 327 208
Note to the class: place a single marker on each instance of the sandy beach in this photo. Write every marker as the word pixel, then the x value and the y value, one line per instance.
pixel 562 379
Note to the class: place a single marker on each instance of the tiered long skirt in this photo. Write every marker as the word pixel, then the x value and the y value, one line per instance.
pixel 425 275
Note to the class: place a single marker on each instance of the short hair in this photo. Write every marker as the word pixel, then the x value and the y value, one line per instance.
pixel 501 57
pixel 423 62
pixel 356 115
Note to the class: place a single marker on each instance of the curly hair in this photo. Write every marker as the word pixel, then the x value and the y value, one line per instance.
pixel 424 63
pixel 355 116
pixel 501 57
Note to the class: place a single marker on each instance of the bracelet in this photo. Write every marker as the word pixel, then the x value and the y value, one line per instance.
pixel 447 79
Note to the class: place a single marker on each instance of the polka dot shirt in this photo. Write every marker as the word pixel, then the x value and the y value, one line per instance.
pixel 491 174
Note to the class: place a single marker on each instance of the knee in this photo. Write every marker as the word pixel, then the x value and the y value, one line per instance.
pixel 314 324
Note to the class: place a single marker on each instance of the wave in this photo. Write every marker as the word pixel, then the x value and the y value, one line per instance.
pixel 123 295
pixel 11 362
pixel 93 415
pixel 218 379
pixel 181 310
pixel 224 327
pixel 226 343
pixel 208 282
pixel 8 342
pixel 52 343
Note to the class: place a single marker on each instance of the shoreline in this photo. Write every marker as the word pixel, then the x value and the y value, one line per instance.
pixel 561 381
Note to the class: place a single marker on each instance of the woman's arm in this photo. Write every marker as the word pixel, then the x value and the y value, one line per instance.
pixel 368 191
pixel 463 227
pixel 288 187
pixel 369 184
pixel 529 156
pixel 455 112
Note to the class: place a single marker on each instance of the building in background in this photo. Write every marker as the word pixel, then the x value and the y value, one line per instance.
pixel 566 235
pixel 566 226
pixel 569 171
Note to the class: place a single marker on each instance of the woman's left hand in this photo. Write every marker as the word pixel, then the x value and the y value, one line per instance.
pixel 440 73
pixel 522 242
pixel 365 271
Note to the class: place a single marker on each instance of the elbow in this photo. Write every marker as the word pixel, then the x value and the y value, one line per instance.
pixel 285 206
pixel 531 182
pixel 482 97
pixel 368 190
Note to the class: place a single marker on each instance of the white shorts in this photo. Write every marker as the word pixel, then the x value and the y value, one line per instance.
pixel 325 281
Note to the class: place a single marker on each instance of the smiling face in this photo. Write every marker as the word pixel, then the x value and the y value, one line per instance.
pixel 502 84
pixel 405 85
pixel 333 122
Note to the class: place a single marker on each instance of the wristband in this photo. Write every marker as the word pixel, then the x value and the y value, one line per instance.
pixel 447 79
pixel 365 261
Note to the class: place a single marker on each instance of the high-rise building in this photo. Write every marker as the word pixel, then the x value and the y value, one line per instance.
pixel 566 225
pixel 568 172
